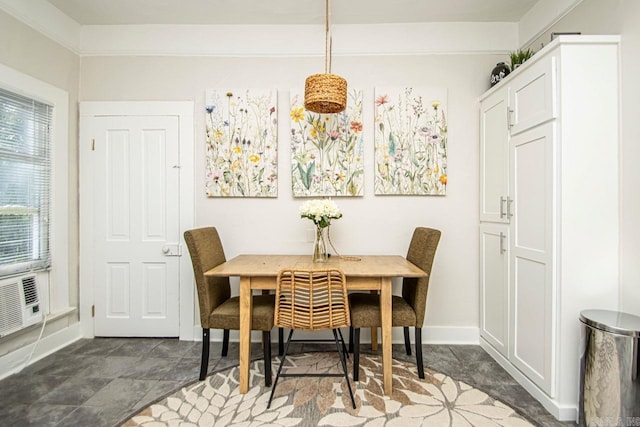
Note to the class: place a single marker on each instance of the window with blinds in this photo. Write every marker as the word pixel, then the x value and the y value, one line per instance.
pixel 25 175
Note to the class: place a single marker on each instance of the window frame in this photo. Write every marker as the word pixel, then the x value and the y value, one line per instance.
pixel 56 286
pixel 28 179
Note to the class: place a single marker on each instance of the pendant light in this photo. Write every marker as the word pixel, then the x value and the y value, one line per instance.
pixel 325 93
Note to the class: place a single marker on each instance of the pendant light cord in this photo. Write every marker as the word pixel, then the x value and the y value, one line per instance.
pixel 327 40
pixel 343 257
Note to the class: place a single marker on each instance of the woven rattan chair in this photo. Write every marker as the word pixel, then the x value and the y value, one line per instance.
pixel 218 310
pixel 408 310
pixel 312 300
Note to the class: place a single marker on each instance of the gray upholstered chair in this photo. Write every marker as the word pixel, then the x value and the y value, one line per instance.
pixel 218 310
pixel 408 310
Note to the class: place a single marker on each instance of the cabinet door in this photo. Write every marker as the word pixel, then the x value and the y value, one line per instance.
pixel 531 254
pixel 533 96
pixel 494 289
pixel 494 157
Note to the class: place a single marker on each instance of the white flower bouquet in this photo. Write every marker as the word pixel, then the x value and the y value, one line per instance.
pixel 320 211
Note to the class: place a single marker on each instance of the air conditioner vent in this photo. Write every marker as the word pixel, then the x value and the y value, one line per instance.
pixel 10 308
pixel 19 304
pixel 30 290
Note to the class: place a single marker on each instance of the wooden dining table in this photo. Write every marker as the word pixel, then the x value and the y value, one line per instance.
pixel 367 273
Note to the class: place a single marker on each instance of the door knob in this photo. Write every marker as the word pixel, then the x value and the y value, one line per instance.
pixel 172 250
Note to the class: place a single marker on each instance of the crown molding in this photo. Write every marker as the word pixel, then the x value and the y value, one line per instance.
pixel 46 19
pixel 541 17
pixel 287 40
pixel 298 40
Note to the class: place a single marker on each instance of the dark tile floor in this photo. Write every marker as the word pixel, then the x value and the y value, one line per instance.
pixel 99 382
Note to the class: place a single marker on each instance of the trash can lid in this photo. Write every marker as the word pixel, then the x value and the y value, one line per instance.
pixel 612 321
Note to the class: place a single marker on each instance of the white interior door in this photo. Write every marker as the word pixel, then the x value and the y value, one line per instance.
pixel 136 225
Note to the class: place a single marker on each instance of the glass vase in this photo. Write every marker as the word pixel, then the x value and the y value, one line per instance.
pixel 320 246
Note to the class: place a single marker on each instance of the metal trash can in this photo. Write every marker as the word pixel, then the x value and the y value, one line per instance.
pixel 609 369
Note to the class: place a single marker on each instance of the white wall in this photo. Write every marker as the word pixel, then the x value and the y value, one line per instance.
pixel 619 17
pixel 371 224
pixel 28 52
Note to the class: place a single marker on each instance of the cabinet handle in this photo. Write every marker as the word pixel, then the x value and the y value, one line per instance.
pixel 509 207
pixel 509 112
pixel 502 200
pixel 502 248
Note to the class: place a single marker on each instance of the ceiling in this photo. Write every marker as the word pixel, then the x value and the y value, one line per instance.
pixel 249 12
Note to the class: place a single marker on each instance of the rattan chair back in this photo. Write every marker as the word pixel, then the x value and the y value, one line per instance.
pixel 312 299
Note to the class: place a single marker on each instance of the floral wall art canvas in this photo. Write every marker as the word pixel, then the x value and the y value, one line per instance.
pixel 410 141
pixel 326 149
pixel 242 150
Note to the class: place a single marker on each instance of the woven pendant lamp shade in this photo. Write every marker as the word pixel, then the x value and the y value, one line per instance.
pixel 325 93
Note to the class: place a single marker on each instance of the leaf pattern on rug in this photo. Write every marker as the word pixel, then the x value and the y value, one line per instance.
pixel 375 400
pixel 304 393
pixel 373 387
pixel 324 402
pixel 435 400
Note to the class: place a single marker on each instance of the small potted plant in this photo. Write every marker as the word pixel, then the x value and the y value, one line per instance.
pixel 519 57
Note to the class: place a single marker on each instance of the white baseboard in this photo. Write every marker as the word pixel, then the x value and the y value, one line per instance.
pixel 430 335
pixel 449 335
pixel 13 362
pixel 560 412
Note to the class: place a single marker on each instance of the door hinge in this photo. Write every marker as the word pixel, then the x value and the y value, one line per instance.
pixel 93 311
pixel 93 145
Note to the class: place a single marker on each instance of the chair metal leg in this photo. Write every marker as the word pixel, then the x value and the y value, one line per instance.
pixel 204 362
pixel 419 353
pixel 344 346
pixel 356 353
pixel 280 341
pixel 284 356
pixel 350 339
pixel 266 338
pixel 341 353
pixel 225 342
pixel 407 341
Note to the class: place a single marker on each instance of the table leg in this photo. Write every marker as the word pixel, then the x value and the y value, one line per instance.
pixel 245 332
pixel 374 339
pixel 374 333
pixel 385 313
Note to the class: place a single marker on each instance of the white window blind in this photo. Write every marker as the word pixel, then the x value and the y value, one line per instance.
pixel 25 175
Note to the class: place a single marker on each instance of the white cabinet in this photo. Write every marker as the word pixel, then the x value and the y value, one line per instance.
pixel 494 249
pixel 532 97
pixel 549 212
pixel 531 160
pixel 494 158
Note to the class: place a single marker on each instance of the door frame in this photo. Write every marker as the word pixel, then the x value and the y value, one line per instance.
pixel 184 111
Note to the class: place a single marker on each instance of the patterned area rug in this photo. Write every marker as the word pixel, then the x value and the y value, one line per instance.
pixel 438 400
